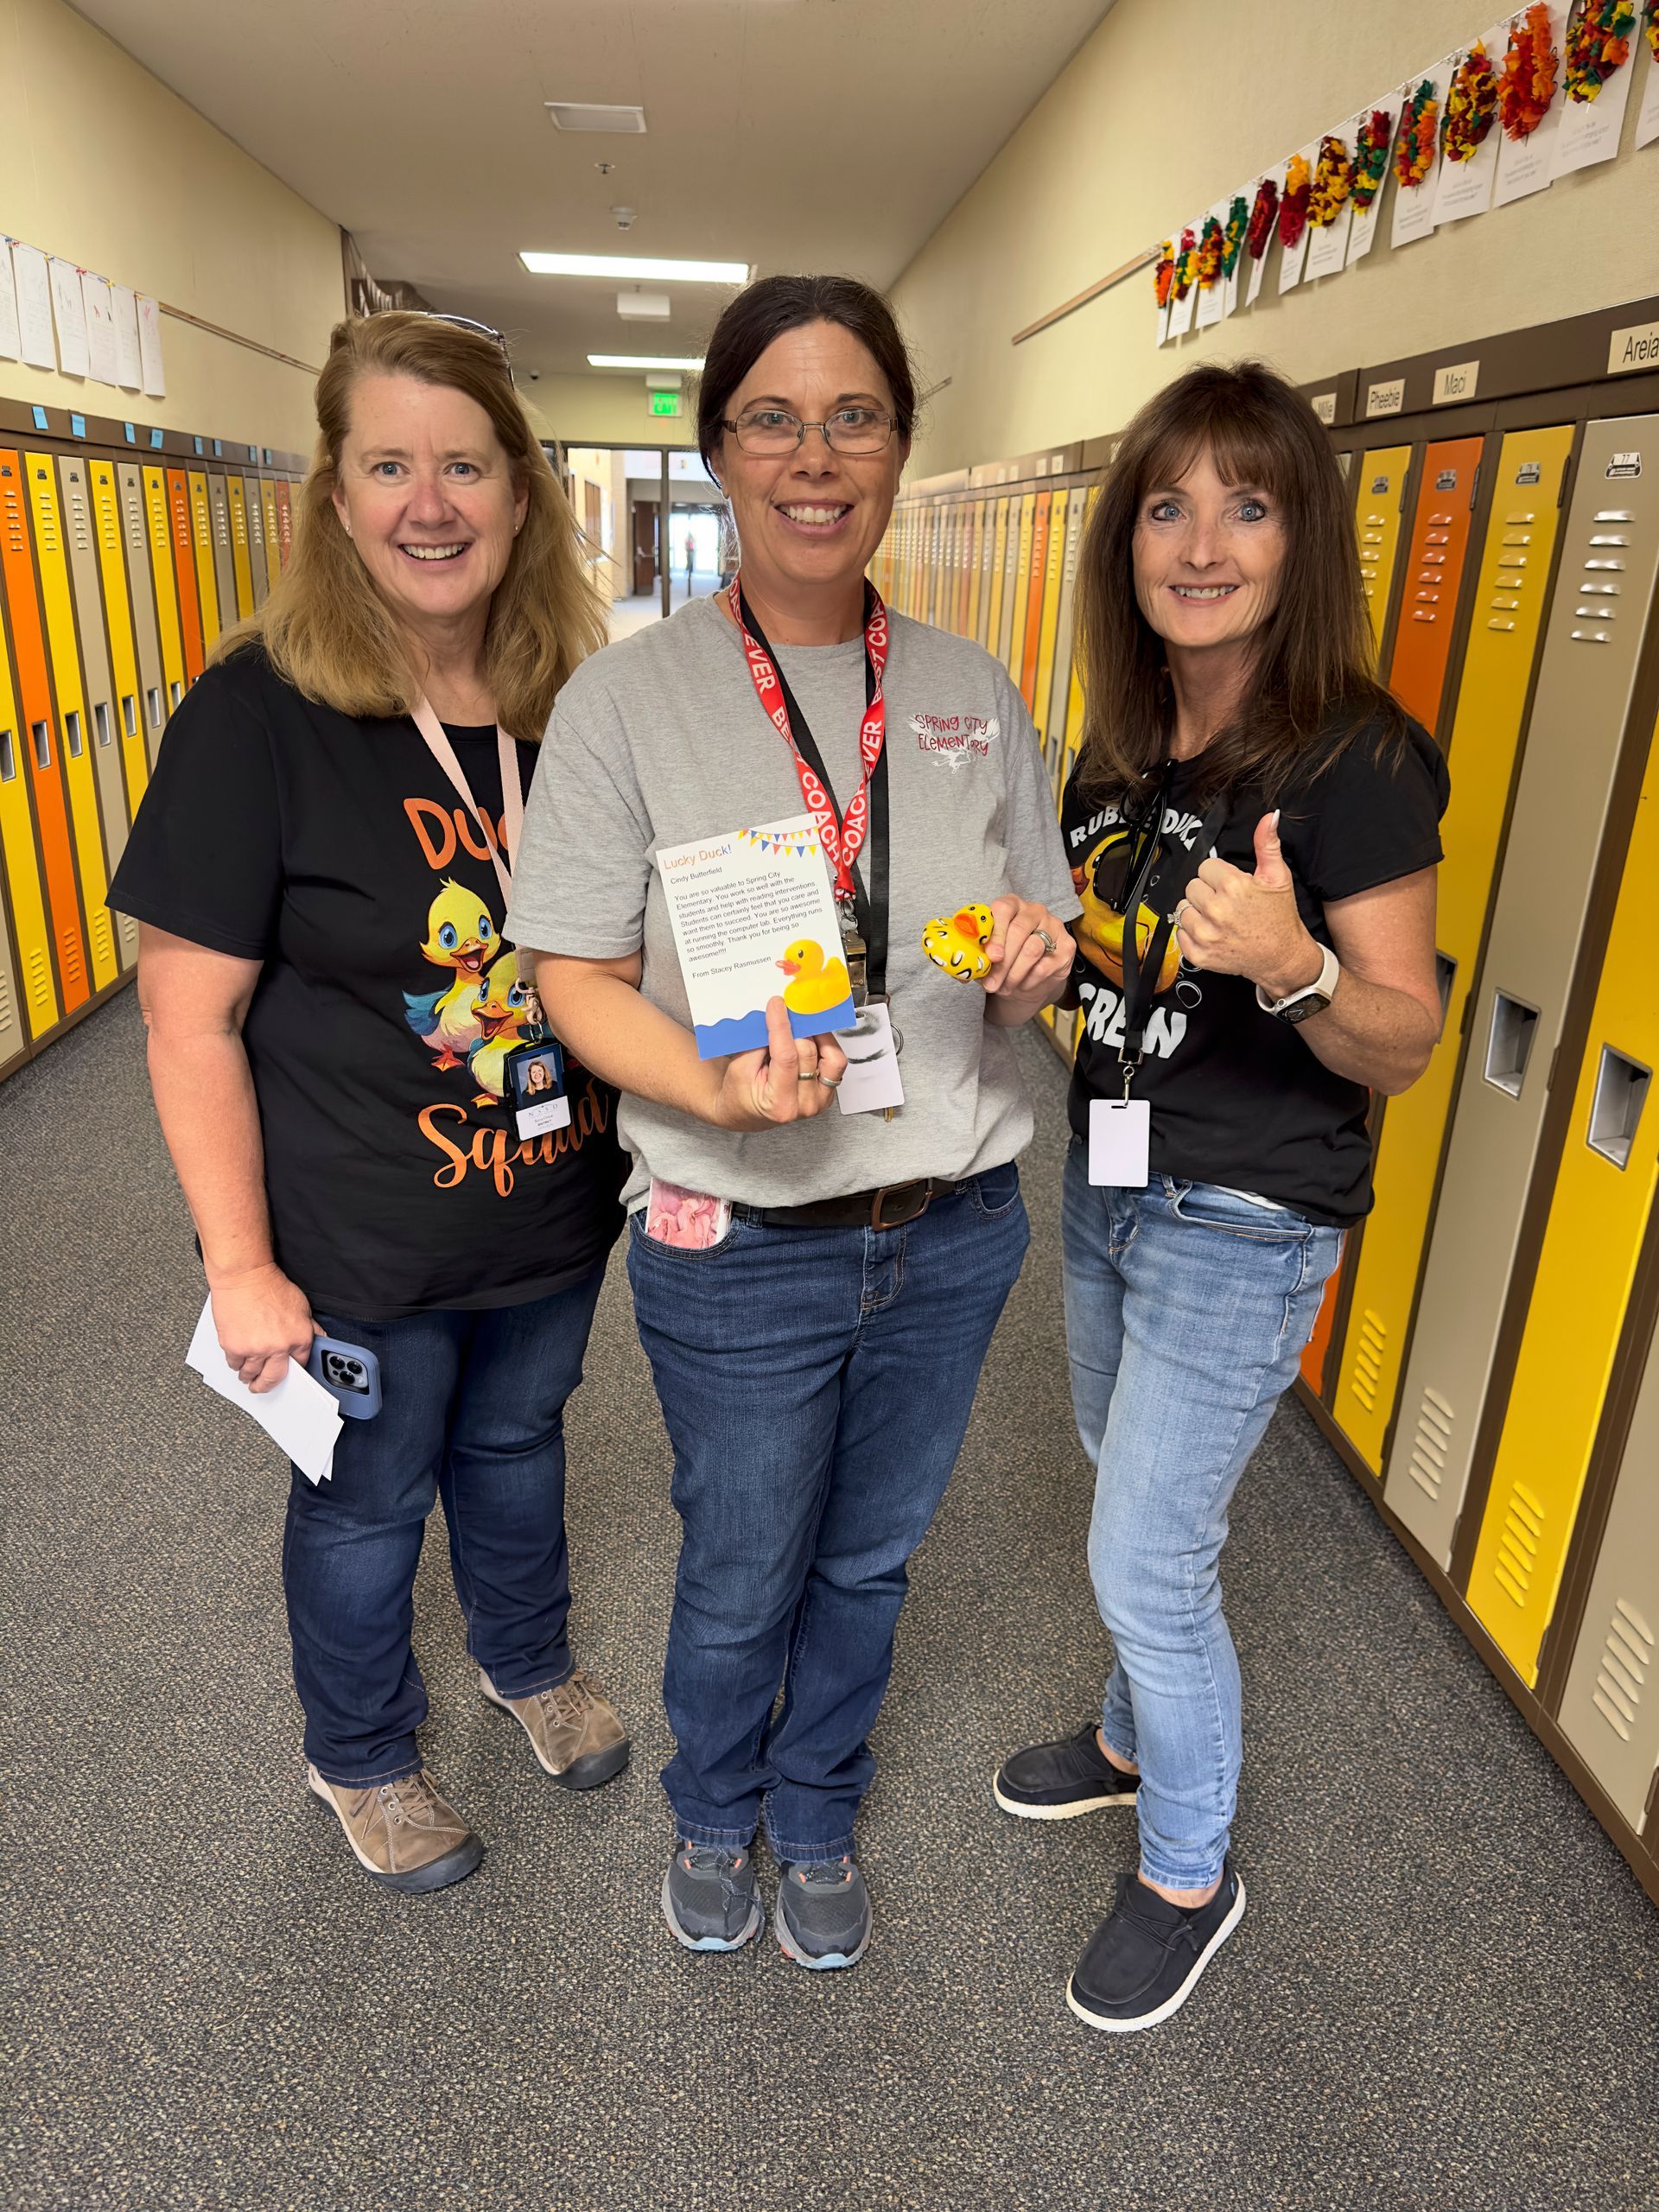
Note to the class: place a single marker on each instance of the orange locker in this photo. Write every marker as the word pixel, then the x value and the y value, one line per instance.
pixel 184 569
pixel 1435 562
pixel 37 987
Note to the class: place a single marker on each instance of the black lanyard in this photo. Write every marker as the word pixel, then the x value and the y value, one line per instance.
pixel 1165 871
pixel 870 904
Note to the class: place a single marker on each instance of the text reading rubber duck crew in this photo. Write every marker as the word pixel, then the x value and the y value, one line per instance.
pixel 818 1311
pixel 1253 825
pixel 319 874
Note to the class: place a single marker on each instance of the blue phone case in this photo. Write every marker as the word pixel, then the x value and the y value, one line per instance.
pixel 349 1374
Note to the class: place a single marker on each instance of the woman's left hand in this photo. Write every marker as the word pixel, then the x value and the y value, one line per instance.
pixel 1031 952
pixel 1240 925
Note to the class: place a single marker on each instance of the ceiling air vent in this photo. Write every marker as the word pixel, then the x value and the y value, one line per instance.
pixel 594 115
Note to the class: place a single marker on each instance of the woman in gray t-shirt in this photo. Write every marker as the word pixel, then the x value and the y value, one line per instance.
pixel 816 1287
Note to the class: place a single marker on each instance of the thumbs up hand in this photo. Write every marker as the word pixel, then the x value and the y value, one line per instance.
pixel 1240 923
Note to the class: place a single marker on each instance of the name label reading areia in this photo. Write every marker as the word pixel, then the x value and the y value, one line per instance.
pixel 1634 348
pixel 1456 382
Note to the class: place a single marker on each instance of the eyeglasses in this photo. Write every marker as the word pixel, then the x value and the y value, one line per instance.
pixel 774 430
pixel 466 322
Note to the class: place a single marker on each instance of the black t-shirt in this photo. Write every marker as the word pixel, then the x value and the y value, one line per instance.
pixel 1237 1097
pixel 335 851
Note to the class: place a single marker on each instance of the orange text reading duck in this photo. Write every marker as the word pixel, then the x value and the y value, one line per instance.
pixel 956 942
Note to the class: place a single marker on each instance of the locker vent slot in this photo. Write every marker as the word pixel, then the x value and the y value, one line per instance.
pixel 43 738
pixel 1368 1358
pixel 101 720
pixel 1446 974
pixel 1623 1675
pixel 8 757
pixel 1621 1093
pixel 1517 1549
pixel 153 702
pixel 73 737
pixel 1509 1046
pixel 103 940
pixel 129 714
pixel 1426 1466
pixel 177 692
pixel 7 1007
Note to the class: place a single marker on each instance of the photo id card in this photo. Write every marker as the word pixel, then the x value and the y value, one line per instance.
pixel 871 1084
pixel 535 1088
pixel 1120 1142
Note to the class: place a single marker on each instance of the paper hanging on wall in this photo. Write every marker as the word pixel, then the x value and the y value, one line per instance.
pixel 129 362
pixel 34 283
pixel 1526 165
pixel 100 327
pixel 149 347
pixel 1465 187
pixel 1259 266
pixel 1647 120
pixel 1181 312
pixel 1413 205
pixel 1361 230
pixel 1327 250
pixel 1163 322
pixel 1590 129
pixel 69 318
pixel 1293 258
pixel 1212 299
pixel 10 335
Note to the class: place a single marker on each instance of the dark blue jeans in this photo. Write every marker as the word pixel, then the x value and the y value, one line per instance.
pixel 472 1412
pixel 816 1385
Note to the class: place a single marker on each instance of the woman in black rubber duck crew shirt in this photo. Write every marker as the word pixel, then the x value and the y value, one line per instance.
pixel 1268 814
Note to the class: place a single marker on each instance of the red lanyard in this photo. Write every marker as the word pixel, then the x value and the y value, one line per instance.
pixel 843 840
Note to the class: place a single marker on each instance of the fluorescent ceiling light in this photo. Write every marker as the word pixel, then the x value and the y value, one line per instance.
pixel 595 115
pixel 630 265
pixel 693 362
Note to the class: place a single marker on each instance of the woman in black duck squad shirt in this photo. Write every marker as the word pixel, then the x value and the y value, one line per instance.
pixel 318 874
pixel 1270 815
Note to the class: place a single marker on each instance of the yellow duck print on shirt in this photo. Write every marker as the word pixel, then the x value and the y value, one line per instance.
pixel 506 1011
pixel 460 935
pixel 955 943
pixel 816 985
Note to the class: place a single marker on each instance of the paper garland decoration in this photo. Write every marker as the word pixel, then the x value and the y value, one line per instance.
pixel 1531 66
pixel 1371 156
pixel 1238 216
pixel 1333 181
pixel 1471 106
pixel 1598 46
pixel 1208 265
pixel 1650 26
pixel 1263 215
pixel 1293 204
pixel 1414 150
pixel 1186 263
pixel 1163 276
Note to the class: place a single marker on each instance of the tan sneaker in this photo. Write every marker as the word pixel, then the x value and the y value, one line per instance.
pixel 405 1833
pixel 573 1730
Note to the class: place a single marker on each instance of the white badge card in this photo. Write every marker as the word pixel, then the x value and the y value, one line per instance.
pixel 871 1084
pixel 1120 1142
pixel 535 1088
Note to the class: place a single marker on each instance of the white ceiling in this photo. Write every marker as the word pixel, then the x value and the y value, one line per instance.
pixel 792 134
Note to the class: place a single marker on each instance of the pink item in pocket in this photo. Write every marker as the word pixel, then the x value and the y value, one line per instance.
pixel 691 1221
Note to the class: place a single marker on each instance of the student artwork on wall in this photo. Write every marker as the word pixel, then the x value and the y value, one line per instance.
pixel 10 334
pixel 1295 195
pixel 1210 272
pixel 1470 137
pixel 1331 202
pixel 1529 102
pixel 1373 144
pixel 1596 70
pixel 1261 231
pixel 1647 121
pixel 54 316
pixel 1417 158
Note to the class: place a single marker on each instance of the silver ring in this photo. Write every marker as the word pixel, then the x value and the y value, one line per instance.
pixel 830 1082
pixel 1180 908
pixel 1048 941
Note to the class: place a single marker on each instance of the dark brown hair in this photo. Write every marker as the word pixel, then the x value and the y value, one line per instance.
pixel 1314 680
pixel 771 305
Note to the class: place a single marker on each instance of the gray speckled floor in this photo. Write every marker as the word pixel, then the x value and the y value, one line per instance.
pixel 1443 1996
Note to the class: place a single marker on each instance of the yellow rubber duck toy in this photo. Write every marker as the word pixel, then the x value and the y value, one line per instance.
pixel 956 942
pixel 502 1009
pixel 816 985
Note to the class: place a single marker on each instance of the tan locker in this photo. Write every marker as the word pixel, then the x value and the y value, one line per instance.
pixel 1018 526
pixel 219 508
pixel 1610 557
pixel 140 581
pixel 1610 1708
pixel 98 688
pixel 14 1040
pixel 991 525
pixel 1056 707
pixel 273 535
pixel 259 576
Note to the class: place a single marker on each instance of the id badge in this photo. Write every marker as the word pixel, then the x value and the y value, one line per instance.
pixel 871 1084
pixel 1120 1142
pixel 535 1088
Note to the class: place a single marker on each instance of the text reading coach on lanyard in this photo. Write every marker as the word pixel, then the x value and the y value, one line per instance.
pixel 815 1302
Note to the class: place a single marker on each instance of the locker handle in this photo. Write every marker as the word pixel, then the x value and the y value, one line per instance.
pixel 1621 1092
pixel 176 691
pixel 1446 974
pixel 129 714
pixel 153 701
pixel 42 737
pixel 101 720
pixel 8 757
pixel 1509 1046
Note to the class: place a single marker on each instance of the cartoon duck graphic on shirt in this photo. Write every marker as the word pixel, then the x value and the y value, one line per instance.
pixel 1099 929
pixel 459 935
pixel 508 1013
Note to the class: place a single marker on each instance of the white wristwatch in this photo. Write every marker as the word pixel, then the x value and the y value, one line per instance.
pixel 1312 998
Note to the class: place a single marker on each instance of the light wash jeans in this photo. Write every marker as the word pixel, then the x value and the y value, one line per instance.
pixel 1187 1311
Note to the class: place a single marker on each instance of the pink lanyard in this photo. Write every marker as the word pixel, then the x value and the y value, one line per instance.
pixel 512 796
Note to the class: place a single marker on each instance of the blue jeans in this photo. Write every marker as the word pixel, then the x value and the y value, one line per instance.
pixel 472 1411
pixel 1187 1311
pixel 816 1385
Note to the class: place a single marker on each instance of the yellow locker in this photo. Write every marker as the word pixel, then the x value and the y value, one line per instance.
pixel 1054 571
pixel 1014 614
pixel 1379 504
pixel 38 986
pixel 98 690
pixel 994 593
pixel 201 541
pixel 124 650
pixel 1599 1216
pixel 241 557
pixel 141 584
pixel 13 1038
pixel 160 534
pixel 1073 739
pixel 52 568
pixel 1483 749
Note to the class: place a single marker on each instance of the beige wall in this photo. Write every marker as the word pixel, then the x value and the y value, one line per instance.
pixel 1162 112
pixel 609 409
pixel 100 163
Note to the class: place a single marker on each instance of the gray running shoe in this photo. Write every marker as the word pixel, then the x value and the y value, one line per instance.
pixel 708 1898
pixel 823 1914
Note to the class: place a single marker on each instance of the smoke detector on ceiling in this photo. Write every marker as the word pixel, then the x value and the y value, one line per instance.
pixel 595 115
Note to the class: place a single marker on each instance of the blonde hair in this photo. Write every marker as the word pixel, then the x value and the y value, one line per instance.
pixel 326 627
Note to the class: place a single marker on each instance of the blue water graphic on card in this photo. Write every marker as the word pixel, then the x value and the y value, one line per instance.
pixel 746 1033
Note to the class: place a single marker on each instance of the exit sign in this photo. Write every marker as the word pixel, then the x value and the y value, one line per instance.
pixel 664 403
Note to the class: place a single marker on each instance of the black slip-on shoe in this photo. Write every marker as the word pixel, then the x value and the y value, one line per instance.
pixel 1056 1782
pixel 1143 1962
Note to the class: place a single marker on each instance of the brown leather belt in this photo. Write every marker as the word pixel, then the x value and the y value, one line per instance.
pixel 890 1207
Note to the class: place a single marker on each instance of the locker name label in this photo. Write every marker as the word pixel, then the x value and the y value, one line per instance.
pixel 1457 382
pixel 1323 405
pixel 1634 348
pixel 1385 399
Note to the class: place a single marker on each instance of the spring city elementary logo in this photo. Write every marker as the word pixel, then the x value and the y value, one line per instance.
pixel 957 740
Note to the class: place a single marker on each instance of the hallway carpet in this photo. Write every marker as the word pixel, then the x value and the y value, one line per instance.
pixel 1442 1998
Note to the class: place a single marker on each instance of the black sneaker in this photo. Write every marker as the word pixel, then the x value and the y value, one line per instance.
pixel 822 1918
pixel 1143 1964
pixel 708 1898
pixel 1056 1782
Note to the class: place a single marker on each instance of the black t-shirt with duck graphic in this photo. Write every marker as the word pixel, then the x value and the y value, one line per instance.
pixel 334 851
pixel 1237 1097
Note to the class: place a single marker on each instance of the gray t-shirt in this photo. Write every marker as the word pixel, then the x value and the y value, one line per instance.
pixel 661 738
